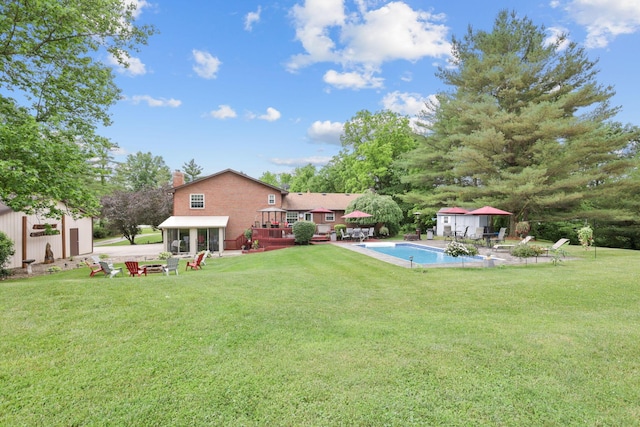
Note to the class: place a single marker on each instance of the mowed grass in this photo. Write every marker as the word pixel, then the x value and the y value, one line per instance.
pixel 320 335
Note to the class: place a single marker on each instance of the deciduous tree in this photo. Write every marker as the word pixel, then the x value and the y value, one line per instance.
pixel 54 92
pixel 126 211
pixel 371 143
pixel 143 170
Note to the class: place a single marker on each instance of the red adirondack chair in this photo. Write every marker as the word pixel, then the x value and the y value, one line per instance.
pixel 95 269
pixel 195 264
pixel 135 269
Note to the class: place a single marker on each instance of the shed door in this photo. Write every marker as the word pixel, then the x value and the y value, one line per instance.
pixel 74 241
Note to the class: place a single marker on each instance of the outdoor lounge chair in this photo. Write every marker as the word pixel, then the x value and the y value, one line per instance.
pixel 500 237
pixel 95 268
pixel 172 265
pixel 447 233
pixel 110 270
pixel 508 246
pixel 205 256
pixel 478 235
pixel 135 269
pixel 556 246
pixel 344 236
pixel 195 264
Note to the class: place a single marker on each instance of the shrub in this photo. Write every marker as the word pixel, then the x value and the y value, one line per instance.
pixel 164 255
pixel 303 231
pixel 6 251
pixel 456 249
pixel 522 228
pixel 100 233
pixel 526 251
pixel 339 227
pixel 384 231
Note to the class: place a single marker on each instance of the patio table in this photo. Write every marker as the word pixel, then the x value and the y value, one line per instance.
pixel 488 236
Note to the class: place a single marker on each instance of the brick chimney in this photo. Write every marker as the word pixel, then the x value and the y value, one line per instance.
pixel 178 178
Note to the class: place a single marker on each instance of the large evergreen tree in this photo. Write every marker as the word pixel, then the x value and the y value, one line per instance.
pixel 191 170
pixel 525 126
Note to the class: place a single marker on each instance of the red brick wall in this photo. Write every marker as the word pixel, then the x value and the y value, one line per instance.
pixel 228 194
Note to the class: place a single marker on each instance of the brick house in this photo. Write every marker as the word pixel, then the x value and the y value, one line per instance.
pixel 220 207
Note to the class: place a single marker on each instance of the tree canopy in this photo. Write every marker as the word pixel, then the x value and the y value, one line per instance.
pixel 143 170
pixel 382 208
pixel 126 211
pixel 54 92
pixel 371 143
pixel 525 126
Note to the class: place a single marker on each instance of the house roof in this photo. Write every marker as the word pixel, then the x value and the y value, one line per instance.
pixel 309 201
pixel 280 190
pixel 4 209
pixel 195 222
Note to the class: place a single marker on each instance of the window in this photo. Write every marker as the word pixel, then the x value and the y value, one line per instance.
pixel 196 201
pixel 272 199
pixel 330 217
pixel 292 217
pixel 445 220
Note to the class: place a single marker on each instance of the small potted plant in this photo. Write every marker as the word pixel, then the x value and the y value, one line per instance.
pixel 585 236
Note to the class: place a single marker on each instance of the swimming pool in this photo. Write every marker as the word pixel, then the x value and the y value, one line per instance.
pixel 421 254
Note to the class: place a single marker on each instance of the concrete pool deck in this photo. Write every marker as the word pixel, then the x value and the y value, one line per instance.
pixel 500 257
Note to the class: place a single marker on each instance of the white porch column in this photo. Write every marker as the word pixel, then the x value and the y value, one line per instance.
pixel 193 241
pixel 221 231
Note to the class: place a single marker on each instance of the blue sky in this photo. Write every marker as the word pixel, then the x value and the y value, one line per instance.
pixel 267 86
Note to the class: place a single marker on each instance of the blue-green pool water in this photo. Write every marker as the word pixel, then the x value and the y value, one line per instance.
pixel 421 254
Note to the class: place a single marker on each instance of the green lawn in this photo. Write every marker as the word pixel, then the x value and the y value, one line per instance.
pixel 148 235
pixel 320 335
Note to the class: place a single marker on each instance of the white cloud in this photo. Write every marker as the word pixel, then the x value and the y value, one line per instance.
pixel 251 18
pixel 326 132
pixel 155 102
pixel 302 161
pixel 352 80
pixel 135 66
pixel 604 20
pixel 554 34
pixel 395 31
pixel 313 23
pixel 207 65
pixel 271 115
pixel 366 38
pixel 223 112
pixel 408 104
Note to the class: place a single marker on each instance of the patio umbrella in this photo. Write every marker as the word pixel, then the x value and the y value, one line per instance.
pixel 489 211
pixel 356 214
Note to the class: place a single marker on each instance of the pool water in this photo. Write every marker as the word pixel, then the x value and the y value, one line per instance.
pixel 421 254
